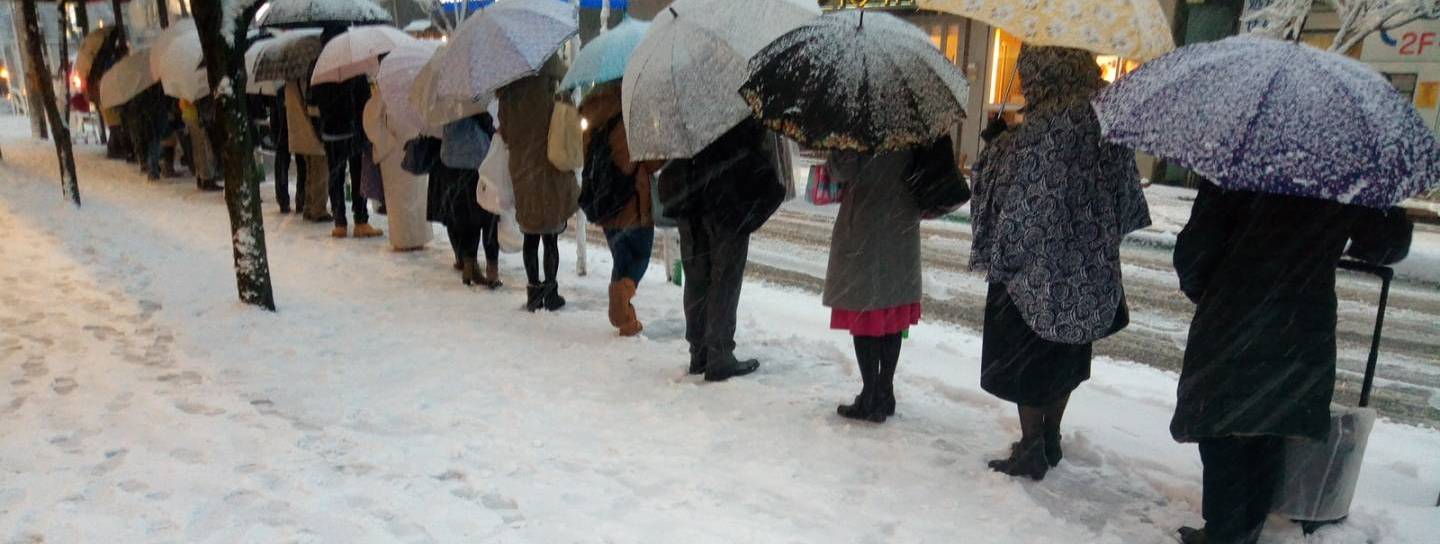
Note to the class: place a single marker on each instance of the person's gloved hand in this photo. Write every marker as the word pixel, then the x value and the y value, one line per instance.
pixel 995 127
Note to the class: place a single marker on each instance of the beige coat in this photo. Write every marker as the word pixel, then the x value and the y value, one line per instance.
pixel 303 140
pixel 545 197
pixel 405 193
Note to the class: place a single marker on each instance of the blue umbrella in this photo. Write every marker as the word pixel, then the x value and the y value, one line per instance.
pixel 1264 115
pixel 605 57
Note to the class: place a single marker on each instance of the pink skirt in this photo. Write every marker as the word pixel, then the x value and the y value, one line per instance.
pixel 885 322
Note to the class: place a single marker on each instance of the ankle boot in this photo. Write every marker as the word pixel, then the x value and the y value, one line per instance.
pixel 1026 459
pixel 492 276
pixel 1053 453
pixel 551 298
pixel 617 304
pixel 469 271
pixel 697 362
pixel 535 298
pixel 864 404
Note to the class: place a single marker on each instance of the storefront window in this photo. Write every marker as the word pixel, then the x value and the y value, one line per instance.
pixel 1003 79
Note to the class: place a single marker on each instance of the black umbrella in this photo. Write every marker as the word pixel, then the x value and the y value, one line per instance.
pixel 852 80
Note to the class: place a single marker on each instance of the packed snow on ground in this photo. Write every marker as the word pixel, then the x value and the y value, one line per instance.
pixel 385 402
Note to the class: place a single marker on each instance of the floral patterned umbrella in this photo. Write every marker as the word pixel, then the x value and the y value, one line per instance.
pixel 1135 29
pixel 503 43
pixel 1260 114
pixel 851 81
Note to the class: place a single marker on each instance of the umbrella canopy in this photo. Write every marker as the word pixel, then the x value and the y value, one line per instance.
pixel 851 81
pixel 679 93
pixel 356 52
pixel 126 79
pixel 317 13
pixel 605 57
pixel 395 79
pixel 1135 29
pixel 176 59
pixel 437 110
pixel 1260 114
pixel 90 48
pixel 252 57
pixel 288 56
pixel 505 42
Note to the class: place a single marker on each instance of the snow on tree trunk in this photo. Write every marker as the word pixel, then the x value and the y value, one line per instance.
pixel 39 76
pixel 231 136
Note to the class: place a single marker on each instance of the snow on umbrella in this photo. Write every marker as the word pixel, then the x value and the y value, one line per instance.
pixel 356 52
pixel 252 57
pixel 126 79
pixel 90 49
pixel 176 60
pixel 396 78
pixel 289 57
pixel 316 13
pixel 1135 29
pixel 437 110
pixel 605 57
pixel 505 42
pixel 1259 114
pixel 851 81
pixel 679 93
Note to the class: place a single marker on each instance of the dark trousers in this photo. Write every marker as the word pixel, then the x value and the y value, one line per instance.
pixel 282 179
pixel 341 155
pixel 532 257
pixel 630 250
pixel 714 261
pixel 1241 476
pixel 280 135
pixel 469 235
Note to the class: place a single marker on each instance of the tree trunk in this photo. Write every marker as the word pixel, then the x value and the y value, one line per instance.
pixel 162 8
pixel 64 25
pixel 40 75
pixel 231 137
pixel 34 108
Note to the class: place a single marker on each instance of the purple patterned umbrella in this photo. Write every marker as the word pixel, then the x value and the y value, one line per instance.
pixel 1260 114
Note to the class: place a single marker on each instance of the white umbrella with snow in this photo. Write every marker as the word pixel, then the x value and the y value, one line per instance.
pixel 395 80
pixel 503 43
pixel 126 79
pixel 680 91
pixel 315 13
pixel 437 110
pixel 176 60
pixel 356 52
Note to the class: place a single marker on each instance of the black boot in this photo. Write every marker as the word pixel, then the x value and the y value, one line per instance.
pixel 1027 458
pixel 719 369
pixel 208 185
pixel 535 297
pixel 1191 535
pixel 697 362
pixel 885 387
pixel 865 407
pixel 552 299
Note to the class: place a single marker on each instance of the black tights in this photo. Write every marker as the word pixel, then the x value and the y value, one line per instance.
pixel 532 257
pixel 878 357
pixel 1043 421
pixel 467 237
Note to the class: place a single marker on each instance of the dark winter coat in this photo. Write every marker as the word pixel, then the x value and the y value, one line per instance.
pixel 545 197
pixel 341 105
pixel 1260 359
pixel 600 108
pixel 733 181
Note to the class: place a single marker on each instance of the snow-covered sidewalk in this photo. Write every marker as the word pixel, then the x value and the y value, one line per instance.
pixel 385 402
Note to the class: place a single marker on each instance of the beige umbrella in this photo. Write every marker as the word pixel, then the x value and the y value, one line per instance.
pixel 434 109
pixel 126 79
pixel 1134 29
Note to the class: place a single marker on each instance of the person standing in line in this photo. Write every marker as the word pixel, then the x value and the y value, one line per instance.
pixel 719 197
pixel 545 197
pixel 341 107
pixel 872 283
pixel 1052 203
pixel 1259 363
pixel 280 135
pixel 456 176
pixel 203 161
pixel 630 234
pixel 409 230
pixel 312 172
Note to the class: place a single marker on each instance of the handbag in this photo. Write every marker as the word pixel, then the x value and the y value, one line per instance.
pixel 565 150
pixel 936 182
pixel 821 189
pixel 421 154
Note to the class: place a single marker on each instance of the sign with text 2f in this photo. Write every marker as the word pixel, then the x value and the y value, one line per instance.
pixel 1415 42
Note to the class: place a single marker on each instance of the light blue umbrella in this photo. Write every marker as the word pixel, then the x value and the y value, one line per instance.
pixel 605 57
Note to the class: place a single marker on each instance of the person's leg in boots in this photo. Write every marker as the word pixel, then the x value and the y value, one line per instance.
pixel 468 237
pixel 729 251
pixel 630 251
pixel 534 292
pixel 695 261
pixel 453 233
pixel 1027 457
pixel 359 206
pixel 282 180
pixel 337 155
pixel 867 358
pixel 553 301
pixel 1054 413
pixel 888 347
pixel 490 242
pixel 1240 478
pixel 153 149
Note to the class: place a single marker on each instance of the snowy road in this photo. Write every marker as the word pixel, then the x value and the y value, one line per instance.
pixel 387 403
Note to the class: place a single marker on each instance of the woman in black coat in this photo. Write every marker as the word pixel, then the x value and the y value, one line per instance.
pixel 1260 361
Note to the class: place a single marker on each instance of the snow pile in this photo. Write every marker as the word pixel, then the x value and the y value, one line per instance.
pixel 387 403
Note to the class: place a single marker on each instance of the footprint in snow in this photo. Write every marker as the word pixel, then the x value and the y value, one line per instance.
pixel 64 386
pixel 195 408
pixel 113 460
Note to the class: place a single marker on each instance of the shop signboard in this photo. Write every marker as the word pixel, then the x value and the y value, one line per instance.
pixel 1414 42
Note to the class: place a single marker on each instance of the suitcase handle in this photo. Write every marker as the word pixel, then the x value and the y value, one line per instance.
pixel 1386 274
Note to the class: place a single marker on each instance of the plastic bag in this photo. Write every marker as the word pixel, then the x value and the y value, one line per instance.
pixel 1319 478
pixel 495 192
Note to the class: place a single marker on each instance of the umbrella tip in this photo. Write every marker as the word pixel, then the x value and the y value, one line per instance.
pixel 672 12
pixel 862 19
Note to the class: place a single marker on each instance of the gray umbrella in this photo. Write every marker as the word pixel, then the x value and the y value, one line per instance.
pixel 287 57
pixel 679 93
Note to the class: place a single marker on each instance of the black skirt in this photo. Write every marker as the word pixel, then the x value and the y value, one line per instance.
pixel 451 198
pixel 1017 365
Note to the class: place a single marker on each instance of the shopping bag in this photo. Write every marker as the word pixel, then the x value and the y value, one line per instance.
pixel 495 193
pixel 565 150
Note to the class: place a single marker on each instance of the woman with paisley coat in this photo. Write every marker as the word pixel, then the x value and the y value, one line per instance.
pixel 1052 202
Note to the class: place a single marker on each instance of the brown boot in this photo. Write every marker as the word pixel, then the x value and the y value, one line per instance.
pixel 364 230
pixel 492 275
pixel 630 323
pixel 339 232
pixel 618 301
